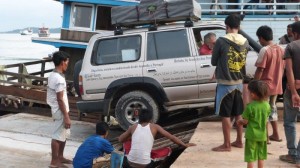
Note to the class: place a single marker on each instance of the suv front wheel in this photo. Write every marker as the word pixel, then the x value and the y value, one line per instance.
pixel 129 106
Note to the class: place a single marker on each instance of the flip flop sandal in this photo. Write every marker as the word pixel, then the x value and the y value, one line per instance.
pixel 273 139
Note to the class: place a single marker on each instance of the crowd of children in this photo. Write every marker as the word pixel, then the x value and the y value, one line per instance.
pixel 271 64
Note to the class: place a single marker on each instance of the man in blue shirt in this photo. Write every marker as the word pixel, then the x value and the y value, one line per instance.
pixel 93 147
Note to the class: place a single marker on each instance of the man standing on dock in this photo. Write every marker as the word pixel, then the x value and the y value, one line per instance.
pixel 270 68
pixel 58 101
pixel 229 57
pixel 288 37
pixel 291 98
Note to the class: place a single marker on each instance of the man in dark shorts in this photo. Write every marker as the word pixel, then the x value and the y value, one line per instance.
pixel 229 57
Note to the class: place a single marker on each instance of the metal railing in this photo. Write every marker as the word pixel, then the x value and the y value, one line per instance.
pixel 272 8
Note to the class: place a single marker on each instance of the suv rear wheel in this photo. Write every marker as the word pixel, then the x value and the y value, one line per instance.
pixel 129 106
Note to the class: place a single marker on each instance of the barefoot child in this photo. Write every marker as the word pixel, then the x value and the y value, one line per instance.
pixel 256 116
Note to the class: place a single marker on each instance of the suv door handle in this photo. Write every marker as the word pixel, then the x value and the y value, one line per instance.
pixel 204 65
pixel 151 70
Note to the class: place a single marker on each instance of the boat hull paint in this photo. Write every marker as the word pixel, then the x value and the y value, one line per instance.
pixel 44 34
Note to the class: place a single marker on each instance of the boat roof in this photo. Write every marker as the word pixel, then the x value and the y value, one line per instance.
pixel 104 2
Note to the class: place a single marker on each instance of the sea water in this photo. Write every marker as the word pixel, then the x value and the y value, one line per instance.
pixel 16 48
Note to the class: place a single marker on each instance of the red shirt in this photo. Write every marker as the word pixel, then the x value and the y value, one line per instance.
pixel 205 50
pixel 270 58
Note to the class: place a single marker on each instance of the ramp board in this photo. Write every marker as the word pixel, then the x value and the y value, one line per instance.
pixel 156 11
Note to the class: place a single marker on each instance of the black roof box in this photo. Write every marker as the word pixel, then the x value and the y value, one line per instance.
pixel 156 12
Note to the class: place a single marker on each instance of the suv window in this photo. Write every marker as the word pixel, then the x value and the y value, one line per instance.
pixel 167 44
pixel 117 50
pixel 218 32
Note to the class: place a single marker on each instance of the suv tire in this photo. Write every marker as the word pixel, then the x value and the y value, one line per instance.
pixel 128 106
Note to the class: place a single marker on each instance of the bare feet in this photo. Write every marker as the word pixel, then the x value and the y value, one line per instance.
pixel 221 148
pixel 237 144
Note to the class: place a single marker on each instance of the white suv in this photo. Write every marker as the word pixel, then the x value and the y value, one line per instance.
pixel 156 69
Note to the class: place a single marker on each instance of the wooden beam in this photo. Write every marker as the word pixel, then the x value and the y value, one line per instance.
pixel 26 109
pixel 28 63
pixel 15 84
pixel 34 101
pixel 39 95
pixel 27 94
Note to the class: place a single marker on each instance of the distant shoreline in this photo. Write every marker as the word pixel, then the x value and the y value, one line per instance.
pixel 34 29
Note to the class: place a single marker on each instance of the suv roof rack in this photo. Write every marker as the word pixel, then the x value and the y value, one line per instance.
pixel 118 30
pixel 152 27
pixel 188 23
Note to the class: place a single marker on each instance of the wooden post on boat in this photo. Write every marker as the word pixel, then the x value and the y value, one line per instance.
pixel 20 78
pixel 43 68
pixel 24 76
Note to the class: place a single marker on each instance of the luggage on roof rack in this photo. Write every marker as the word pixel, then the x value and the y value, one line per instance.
pixel 155 12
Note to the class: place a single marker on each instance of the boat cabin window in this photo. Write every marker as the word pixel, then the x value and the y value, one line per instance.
pixel 167 44
pixel 103 21
pixel 117 50
pixel 81 16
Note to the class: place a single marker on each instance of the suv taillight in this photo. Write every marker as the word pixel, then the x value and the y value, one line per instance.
pixel 80 85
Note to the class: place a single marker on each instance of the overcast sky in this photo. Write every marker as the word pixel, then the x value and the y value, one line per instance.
pixel 30 13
